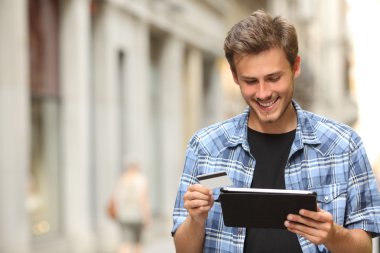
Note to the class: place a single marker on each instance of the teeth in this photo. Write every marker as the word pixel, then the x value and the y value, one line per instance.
pixel 266 104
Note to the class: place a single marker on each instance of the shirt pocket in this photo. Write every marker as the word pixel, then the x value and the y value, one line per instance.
pixel 332 198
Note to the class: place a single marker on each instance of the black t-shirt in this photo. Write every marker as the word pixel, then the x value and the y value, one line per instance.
pixel 271 152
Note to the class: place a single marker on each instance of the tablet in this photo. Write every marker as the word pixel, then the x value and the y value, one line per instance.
pixel 263 208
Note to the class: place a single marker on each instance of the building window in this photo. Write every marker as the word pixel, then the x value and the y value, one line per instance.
pixel 122 103
pixel 44 186
pixel 155 74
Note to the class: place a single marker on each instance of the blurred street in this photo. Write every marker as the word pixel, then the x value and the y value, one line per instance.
pixel 158 239
pixel 159 244
pixel 85 84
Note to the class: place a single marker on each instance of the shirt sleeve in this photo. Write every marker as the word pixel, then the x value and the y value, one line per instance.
pixel 363 207
pixel 188 177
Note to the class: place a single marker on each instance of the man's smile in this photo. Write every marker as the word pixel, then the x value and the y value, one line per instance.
pixel 267 105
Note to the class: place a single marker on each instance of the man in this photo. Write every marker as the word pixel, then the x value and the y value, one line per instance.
pixel 276 144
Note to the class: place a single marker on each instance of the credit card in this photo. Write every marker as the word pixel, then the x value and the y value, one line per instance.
pixel 215 180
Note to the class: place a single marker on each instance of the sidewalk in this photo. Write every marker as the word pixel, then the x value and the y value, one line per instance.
pixel 162 244
pixel 158 238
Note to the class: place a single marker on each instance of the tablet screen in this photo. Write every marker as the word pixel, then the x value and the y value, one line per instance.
pixel 263 208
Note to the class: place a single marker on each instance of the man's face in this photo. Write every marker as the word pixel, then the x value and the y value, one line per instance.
pixel 266 82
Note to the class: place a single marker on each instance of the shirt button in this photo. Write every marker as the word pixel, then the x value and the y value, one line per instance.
pixel 326 198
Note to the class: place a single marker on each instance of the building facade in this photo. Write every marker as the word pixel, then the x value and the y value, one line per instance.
pixel 83 84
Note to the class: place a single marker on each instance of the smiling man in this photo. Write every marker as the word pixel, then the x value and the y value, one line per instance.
pixel 266 82
pixel 276 144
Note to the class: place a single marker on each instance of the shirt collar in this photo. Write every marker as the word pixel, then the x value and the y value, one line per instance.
pixel 239 136
pixel 305 132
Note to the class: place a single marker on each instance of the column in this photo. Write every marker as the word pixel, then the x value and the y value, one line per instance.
pixel 106 139
pixel 330 59
pixel 137 94
pixel 14 127
pixel 193 93
pixel 171 118
pixel 214 102
pixel 75 79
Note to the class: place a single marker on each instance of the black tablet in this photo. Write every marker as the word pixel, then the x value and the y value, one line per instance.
pixel 263 208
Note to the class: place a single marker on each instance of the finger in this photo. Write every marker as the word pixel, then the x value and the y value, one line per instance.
pixel 301 228
pixel 309 235
pixel 196 195
pixel 320 215
pixel 313 235
pixel 321 224
pixel 196 204
pixel 199 188
pixel 297 219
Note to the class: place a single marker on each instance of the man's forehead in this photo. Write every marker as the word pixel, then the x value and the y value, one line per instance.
pixel 262 64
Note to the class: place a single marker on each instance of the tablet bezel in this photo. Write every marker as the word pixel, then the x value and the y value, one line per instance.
pixel 263 208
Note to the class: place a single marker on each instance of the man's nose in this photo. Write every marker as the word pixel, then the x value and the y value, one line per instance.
pixel 263 91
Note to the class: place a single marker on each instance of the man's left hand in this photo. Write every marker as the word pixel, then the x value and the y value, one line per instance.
pixel 318 227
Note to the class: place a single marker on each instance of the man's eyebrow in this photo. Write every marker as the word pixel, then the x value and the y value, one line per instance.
pixel 278 73
pixel 248 77
pixel 274 74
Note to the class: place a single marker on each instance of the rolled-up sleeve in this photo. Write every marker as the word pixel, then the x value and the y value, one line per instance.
pixel 188 177
pixel 363 207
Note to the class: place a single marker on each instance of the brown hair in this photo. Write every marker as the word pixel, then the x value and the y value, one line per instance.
pixel 260 32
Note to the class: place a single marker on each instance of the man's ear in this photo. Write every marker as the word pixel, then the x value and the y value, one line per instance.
pixel 297 66
pixel 234 75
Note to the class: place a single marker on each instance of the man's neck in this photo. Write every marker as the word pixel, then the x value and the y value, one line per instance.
pixel 286 123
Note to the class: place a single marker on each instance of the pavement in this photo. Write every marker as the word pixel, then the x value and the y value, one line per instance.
pixel 158 238
pixel 162 244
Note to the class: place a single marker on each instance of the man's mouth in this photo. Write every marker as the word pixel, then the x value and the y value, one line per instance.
pixel 266 104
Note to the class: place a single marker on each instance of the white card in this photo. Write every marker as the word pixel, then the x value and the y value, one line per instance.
pixel 215 180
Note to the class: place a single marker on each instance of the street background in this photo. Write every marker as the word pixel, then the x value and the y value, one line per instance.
pixel 86 83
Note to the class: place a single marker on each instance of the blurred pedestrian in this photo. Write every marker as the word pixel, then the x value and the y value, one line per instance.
pixel 131 207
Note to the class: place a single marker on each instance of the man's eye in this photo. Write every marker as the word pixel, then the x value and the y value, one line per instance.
pixel 251 81
pixel 274 79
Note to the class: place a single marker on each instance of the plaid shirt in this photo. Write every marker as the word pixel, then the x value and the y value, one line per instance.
pixel 326 157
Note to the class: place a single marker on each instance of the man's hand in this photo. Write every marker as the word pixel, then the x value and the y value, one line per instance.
pixel 198 200
pixel 318 227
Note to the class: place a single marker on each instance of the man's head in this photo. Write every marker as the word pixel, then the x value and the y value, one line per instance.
pixel 260 32
pixel 262 52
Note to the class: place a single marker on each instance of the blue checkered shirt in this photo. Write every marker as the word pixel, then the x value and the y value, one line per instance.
pixel 326 157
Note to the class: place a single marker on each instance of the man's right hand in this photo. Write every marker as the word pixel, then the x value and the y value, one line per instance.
pixel 198 201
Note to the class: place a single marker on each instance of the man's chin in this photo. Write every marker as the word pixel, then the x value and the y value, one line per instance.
pixel 268 118
pixel 267 121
